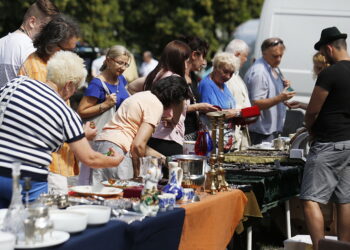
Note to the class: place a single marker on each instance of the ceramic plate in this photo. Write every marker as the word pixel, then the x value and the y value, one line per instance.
pixel 56 238
pixel 122 184
pixel 264 149
pixel 3 212
pixel 105 191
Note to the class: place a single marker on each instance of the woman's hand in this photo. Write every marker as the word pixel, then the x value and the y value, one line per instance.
pixel 111 100
pixel 232 113
pixel 168 122
pixel 90 132
pixel 206 107
pixel 296 105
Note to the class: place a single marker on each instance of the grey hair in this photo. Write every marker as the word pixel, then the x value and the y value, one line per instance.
pixel 237 46
pixel 66 66
pixel 114 52
pixel 224 58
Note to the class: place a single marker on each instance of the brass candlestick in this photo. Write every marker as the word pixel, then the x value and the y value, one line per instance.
pixel 211 181
pixel 222 184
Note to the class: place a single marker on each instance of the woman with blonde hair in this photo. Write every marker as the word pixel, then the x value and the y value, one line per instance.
pixel 46 122
pixel 213 89
pixel 320 63
pixel 106 92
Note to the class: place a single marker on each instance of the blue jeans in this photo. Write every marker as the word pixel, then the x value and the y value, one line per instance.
pixel 6 191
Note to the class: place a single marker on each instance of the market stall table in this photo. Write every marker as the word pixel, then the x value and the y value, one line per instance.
pixel 210 223
pixel 160 232
pixel 273 176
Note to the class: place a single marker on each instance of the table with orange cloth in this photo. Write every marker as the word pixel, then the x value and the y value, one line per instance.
pixel 210 223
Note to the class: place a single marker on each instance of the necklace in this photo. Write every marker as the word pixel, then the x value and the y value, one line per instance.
pixel 23 30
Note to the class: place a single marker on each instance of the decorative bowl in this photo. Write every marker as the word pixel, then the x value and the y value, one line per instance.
pixel 96 215
pixel 68 221
pixel 193 167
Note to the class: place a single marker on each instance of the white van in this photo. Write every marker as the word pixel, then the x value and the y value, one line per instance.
pixel 299 24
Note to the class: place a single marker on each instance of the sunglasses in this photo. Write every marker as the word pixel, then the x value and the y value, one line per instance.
pixel 275 43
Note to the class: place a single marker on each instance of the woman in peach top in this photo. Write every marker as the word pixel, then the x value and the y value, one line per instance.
pixel 133 125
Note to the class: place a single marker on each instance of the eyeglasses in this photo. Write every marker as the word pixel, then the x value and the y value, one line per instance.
pixel 227 72
pixel 275 43
pixel 66 49
pixel 119 63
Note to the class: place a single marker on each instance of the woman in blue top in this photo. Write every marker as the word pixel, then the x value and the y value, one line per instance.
pixel 96 99
pixel 212 88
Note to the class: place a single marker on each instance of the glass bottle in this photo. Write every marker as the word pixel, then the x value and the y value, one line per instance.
pixel 15 216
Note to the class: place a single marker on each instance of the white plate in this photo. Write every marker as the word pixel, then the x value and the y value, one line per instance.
pixel 57 237
pixel 123 184
pixel 105 191
pixel 3 212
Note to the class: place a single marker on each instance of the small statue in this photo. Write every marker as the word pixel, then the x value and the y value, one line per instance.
pixel 149 200
pixel 175 180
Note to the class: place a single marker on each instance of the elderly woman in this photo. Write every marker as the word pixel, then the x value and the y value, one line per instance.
pixel 36 121
pixel 106 92
pixel 212 88
pixel 133 125
pixel 61 33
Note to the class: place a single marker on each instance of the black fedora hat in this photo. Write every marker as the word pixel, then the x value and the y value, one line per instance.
pixel 329 35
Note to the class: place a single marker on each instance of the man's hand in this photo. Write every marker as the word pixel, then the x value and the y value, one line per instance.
pixel 286 95
pixel 286 83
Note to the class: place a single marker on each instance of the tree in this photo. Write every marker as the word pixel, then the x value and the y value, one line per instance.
pixel 145 25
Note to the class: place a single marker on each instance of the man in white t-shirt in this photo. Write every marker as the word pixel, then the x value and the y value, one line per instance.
pixel 97 63
pixel 149 63
pixel 17 46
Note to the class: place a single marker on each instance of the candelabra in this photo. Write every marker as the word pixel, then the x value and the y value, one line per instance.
pixel 220 171
pixel 211 182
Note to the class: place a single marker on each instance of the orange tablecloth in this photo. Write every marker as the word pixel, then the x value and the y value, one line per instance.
pixel 210 223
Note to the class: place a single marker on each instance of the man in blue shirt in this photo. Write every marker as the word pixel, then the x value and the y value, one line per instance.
pixel 269 90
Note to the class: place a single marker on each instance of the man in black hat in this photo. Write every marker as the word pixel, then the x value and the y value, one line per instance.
pixel 327 170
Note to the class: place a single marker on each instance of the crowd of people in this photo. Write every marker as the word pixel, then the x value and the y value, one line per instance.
pixel 155 113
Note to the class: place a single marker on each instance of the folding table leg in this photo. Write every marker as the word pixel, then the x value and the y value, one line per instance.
pixel 289 233
pixel 249 238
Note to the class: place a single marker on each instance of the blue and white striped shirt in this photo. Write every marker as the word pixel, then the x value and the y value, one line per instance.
pixel 36 123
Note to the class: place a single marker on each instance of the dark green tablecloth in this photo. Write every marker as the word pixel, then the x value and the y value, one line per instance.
pixel 270 187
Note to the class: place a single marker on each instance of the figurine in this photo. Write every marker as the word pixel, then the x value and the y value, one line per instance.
pixel 175 180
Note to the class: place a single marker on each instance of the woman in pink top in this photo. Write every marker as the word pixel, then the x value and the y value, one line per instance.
pixel 169 135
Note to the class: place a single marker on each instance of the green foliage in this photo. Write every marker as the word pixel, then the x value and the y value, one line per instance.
pixel 148 24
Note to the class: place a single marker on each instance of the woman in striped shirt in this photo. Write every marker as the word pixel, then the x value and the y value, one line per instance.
pixel 37 121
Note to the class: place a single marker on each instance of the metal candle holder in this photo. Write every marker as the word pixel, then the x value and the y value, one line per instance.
pixel 216 180
pixel 222 184
pixel 212 175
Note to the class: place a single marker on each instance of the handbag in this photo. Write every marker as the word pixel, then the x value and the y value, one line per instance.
pixel 101 119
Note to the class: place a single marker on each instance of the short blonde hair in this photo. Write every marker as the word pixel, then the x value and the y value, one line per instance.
pixel 66 66
pixel 224 58
pixel 114 52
